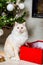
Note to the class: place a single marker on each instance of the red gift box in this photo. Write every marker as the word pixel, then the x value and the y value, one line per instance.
pixel 31 54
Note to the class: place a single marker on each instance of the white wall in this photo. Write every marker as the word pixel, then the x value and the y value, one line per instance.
pixel 35 24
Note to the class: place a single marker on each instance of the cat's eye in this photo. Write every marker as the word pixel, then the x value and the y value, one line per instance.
pixel 17 27
pixel 21 27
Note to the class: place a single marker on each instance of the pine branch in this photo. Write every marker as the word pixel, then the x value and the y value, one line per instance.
pixel 8 19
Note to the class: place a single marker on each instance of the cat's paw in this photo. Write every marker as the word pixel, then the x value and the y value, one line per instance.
pixel 15 59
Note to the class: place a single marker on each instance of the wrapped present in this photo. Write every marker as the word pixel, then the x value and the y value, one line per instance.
pixel 31 54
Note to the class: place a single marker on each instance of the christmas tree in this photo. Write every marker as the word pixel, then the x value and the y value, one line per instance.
pixel 10 11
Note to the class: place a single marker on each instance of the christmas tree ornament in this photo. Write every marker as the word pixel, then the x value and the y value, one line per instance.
pixel 3 14
pixel 21 5
pixel 1 32
pixel 10 7
pixel 11 11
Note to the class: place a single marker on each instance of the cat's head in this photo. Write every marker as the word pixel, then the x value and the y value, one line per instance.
pixel 20 28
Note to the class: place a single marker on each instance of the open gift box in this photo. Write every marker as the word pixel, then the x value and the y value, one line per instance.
pixel 31 54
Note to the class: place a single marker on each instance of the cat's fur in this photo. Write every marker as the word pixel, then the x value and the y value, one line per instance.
pixel 18 37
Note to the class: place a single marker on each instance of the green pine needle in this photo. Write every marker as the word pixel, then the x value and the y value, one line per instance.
pixel 9 19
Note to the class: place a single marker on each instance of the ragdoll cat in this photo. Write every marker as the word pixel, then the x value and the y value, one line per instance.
pixel 18 37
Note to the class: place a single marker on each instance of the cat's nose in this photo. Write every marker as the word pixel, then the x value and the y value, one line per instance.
pixel 21 31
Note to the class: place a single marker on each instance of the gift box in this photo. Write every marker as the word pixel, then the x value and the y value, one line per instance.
pixel 31 54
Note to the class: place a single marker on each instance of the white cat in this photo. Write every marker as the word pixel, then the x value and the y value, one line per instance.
pixel 18 37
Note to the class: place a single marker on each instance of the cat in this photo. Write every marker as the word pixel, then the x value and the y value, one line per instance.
pixel 15 40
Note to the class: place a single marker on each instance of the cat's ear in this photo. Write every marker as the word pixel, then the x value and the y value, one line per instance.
pixel 24 23
pixel 16 23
